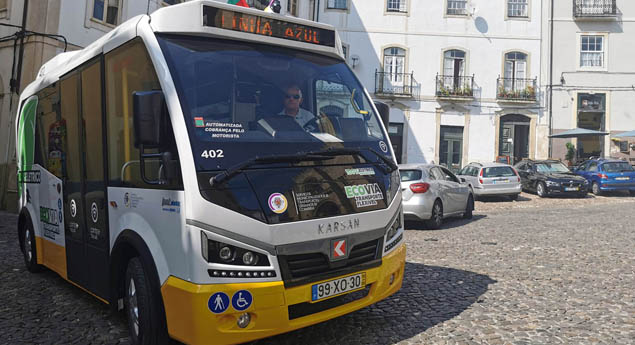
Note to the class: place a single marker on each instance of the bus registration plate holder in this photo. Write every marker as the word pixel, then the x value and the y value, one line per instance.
pixel 338 286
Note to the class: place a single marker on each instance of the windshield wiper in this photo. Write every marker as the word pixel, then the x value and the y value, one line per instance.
pixel 359 152
pixel 298 157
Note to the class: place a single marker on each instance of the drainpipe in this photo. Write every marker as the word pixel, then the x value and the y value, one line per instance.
pixel 551 82
pixel 317 12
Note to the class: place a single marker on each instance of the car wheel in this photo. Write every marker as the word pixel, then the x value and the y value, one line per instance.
pixel 141 309
pixel 469 208
pixel 541 189
pixel 514 197
pixel 632 192
pixel 595 188
pixel 437 216
pixel 29 251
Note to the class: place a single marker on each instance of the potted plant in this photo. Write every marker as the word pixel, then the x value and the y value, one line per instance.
pixel 570 153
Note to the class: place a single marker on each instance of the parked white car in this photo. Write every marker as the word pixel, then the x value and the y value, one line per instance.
pixel 491 179
pixel 432 193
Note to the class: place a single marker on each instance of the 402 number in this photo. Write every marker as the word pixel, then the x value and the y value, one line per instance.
pixel 213 154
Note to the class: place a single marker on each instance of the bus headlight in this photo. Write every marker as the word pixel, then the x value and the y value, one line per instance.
pixel 394 228
pixel 223 253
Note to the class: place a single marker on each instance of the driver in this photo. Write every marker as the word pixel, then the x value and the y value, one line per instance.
pixel 292 101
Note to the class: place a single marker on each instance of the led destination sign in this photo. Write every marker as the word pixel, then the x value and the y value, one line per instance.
pixel 253 24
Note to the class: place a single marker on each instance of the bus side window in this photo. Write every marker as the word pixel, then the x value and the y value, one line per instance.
pixel 129 69
pixel 50 135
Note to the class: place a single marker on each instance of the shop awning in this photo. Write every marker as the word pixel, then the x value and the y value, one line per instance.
pixel 579 132
pixel 626 134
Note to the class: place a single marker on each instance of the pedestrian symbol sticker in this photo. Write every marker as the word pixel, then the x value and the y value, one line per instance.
pixel 242 300
pixel 218 303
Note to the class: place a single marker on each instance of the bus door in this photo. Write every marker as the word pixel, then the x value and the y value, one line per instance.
pixel 87 236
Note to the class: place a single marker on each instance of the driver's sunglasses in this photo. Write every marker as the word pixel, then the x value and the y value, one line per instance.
pixel 292 96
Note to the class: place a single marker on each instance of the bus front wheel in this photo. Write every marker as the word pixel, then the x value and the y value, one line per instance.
pixel 141 309
pixel 28 249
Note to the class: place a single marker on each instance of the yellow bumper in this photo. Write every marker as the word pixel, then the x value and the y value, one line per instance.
pixel 191 321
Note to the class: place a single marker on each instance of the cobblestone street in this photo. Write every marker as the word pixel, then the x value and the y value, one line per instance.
pixel 533 271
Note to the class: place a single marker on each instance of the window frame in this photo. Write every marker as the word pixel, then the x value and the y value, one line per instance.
pixel 605 51
pixel 526 17
pixel 290 7
pixel 6 11
pixel 405 12
pixel 328 8
pixel 454 15
pixel 101 24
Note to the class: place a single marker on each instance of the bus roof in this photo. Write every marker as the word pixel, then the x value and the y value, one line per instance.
pixel 202 18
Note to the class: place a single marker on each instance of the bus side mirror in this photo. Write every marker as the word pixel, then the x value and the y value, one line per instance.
pixel 384 112
pixel 149 113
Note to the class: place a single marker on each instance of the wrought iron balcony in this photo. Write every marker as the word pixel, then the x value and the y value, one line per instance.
pixel 396 85
pixel 594 8
pixel 450 86
pixel 515 89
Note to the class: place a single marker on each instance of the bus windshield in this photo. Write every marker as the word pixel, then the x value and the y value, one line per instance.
pixel 244 100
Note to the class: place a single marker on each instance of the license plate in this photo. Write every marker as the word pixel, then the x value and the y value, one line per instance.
pixel 337 286
pixel 622 178
pixel 571 189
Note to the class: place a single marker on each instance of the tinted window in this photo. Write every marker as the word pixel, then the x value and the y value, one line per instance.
pixel 521 167
pixel 593 166
pixel 498 172
pixel 449 176
pixel 410 175
pixel 549 167
pixel 436 174
pixel 617 167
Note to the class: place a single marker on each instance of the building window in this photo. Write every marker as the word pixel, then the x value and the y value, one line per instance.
pixel 106 11
pixel 624 146
pixel 454 63
pixel 592 51
pixel 396 6
pixel 292 7
pixel 3 5
pixel 457 7
pixel 517 8
pixel 515 72
pixel 337 4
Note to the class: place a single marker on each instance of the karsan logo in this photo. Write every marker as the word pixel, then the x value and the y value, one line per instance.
pixel 364 194
pixel 169 205
pixel 329 228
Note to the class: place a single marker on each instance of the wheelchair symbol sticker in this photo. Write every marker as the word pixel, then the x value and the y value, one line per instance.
pixel 242 300
pixel 218 303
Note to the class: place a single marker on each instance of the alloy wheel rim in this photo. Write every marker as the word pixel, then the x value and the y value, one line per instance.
pixel 541 189
pixel 133 307
pixel 596 188
pixel 438 213
pixel 28 245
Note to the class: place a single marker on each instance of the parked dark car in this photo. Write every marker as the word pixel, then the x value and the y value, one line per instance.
pixel 550 177
pixel 608 175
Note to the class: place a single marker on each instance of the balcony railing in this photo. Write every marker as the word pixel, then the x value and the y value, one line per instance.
pixel 449 86
pixel 514 89
pixel 594 8
pixel 396 84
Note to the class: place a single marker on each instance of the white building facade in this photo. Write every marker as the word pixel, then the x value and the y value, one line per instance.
pixel 593 74
pixel 461 76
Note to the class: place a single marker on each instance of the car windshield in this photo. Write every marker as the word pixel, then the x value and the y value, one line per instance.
pixel 550 167
pixel 245 100
pixel 498 172
pixel 410 175
pixel 617 167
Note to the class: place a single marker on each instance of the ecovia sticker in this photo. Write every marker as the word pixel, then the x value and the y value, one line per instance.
pixel 364 194
pixel 278 203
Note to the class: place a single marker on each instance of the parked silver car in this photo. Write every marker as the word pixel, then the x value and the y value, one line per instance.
pixel 491 179
pixel 432 193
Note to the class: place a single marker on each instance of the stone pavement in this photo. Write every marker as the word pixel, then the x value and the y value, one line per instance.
pixel 554 271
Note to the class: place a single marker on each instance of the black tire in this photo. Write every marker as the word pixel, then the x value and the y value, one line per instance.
pixel 436 219
pixel 27 243
pixel 595 189
pixel 514 197
pixel 541 190
pixel 143 313
pixel 631 192
pixel 469 208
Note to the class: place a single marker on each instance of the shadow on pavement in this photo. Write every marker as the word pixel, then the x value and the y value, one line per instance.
pixel 430 295
pixel 488 199
pixel 448 223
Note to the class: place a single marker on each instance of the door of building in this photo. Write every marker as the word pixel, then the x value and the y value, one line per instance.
pixel 395 132
pixel 451 147
pixel 514 137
